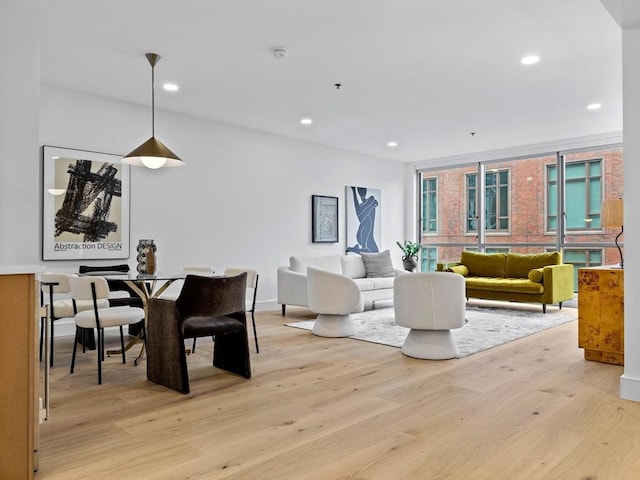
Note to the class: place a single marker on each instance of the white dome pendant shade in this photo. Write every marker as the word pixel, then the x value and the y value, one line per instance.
pixel 153 153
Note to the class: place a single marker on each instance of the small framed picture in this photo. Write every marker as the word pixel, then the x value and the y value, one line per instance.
pixel 324 219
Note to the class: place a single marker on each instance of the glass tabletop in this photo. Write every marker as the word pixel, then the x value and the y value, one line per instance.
pixel 135 276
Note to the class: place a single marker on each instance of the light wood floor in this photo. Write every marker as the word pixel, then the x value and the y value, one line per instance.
pixel 320 408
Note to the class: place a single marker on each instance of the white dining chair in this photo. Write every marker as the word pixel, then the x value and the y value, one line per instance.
pixel 250 298
pixel 94 289
pixel 173 291
pixel 55 293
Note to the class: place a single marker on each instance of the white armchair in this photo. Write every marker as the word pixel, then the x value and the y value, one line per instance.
pixel 430 304
pixel 333 297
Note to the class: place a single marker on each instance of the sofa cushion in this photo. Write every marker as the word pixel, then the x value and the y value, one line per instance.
pixel 382 282
pixel 519 265
pixel 326 262
pixel 353 266
pixel 364 284
pixel 484 264
pixel 512 285
pixel 535 275
pixel 378 264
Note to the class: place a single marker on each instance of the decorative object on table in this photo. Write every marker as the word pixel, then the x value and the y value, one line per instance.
pixel 613 216
pixel 146 256
pixel 324 219
pixel 85 205
pixel 153 153
pixel 487 326
pixel 410 257
pixel 364 229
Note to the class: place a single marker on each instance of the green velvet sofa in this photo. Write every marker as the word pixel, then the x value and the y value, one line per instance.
pixel 530 278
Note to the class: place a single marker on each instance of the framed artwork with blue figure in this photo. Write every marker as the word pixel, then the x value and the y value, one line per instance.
pixel 364 228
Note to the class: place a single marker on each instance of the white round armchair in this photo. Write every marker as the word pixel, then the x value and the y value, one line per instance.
pixel 333 297
pixel 430 304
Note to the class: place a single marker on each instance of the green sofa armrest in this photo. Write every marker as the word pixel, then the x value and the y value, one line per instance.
pixel 558 283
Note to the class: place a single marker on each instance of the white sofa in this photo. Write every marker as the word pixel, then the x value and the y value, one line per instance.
pixel 292 279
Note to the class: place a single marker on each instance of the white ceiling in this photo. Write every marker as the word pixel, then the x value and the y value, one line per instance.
pixel 424 73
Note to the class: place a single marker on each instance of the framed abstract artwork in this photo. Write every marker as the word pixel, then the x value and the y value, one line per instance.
pixel 324 219
pixel 364 229
pixel 85 205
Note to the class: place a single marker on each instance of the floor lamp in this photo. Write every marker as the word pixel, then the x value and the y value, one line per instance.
pixel 613 216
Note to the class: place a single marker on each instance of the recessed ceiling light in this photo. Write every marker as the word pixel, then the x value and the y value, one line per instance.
pixel 306 121
pixel 392 144
pixel 530 59
pixel 594 106
pixel 170 87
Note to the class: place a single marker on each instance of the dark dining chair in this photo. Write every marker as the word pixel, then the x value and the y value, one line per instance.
pixel 115 285
pixel 250 298
pixel 206 306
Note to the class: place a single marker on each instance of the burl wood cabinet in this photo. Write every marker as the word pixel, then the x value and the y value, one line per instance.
pixel 601 314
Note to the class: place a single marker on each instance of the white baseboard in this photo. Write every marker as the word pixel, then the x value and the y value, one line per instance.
pixel 630 388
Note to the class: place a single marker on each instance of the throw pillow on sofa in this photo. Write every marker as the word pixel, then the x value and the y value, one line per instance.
pixel 378 264
pixel 459 269
pixel 535 275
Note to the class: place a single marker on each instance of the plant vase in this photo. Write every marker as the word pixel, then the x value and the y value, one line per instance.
pixel 410 263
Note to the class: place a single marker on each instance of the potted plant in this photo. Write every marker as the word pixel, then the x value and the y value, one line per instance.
pixel 410 258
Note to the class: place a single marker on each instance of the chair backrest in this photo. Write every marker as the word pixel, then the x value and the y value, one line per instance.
pixel 332 293
pixel 62 280
pixel 199 269
pixel 429 300
pixel 252 284
pixel 124 268
pixel 81 288
pixel 252 275
pixel 115 285
pixel 212 296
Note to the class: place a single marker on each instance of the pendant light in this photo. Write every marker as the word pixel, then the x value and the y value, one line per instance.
pixel 153 153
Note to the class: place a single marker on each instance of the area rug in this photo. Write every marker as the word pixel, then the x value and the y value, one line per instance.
pixel 486 327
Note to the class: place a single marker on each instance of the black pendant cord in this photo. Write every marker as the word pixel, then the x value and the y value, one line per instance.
pixel 153 59
pixel 153 101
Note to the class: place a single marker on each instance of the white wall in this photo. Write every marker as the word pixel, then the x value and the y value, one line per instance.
pixel 630 381
pixel 19 92
pixel 242 199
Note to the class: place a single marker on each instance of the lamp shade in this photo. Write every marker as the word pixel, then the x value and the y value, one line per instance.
pixel 153 154
pixel 613 212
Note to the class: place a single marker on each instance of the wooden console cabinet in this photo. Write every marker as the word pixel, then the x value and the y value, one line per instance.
pixel 601 314
pixel 18 375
